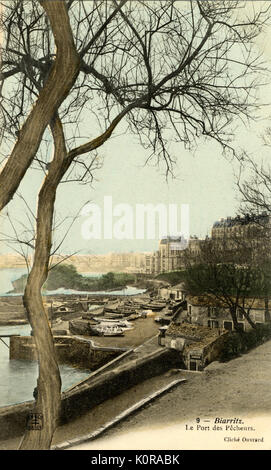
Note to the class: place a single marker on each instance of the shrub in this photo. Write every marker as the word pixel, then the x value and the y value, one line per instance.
pixel 232 347
pixel 172 277
pixel 237 343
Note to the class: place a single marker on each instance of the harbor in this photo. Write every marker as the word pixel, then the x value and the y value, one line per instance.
pixel 89 329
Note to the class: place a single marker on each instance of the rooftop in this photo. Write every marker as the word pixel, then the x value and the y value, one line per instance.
pixel 245 220
pixel 212 301
pixel 202 335
pixel 179 286
pixel 173 239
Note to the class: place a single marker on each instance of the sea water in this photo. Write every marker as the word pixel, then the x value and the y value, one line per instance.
pixel 18 378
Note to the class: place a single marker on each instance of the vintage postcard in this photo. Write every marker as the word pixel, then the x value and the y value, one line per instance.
pixel 135 197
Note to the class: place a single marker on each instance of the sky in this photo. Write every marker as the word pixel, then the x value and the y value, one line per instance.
pixel 203 179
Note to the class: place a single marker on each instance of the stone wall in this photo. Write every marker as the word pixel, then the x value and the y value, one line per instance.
pixel 93 391
pixel 70 350
pixel 204 354
pixel 113 382
pixel 212 352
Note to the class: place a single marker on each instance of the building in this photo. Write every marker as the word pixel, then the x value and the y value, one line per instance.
pixel 208 311
pixel 168 257
pixel 246 227
pixel 194 245
pixel 177 293
pixel 198 345
pixel 171 253
pixel 152 263
pixel 133 262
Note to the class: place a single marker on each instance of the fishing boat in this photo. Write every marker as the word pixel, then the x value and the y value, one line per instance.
pixel 113 333
pixel 63 309
pixel 111 309
pixel 107 322
pixel 113 316
pixel 153 306
pixel 108 330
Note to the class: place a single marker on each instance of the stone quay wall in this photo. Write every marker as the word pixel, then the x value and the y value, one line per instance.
pixel 70 350
pixel 94 390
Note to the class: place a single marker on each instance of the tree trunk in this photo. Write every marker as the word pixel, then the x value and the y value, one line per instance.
pixel 247 317
pixel 48 398
pixel 49 382
pixel 233 313
pixel 61 78
pixel 266 309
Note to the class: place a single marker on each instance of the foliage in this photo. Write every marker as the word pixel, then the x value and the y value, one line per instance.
pixel 236 344
pixel 173 277
pixel 232 347
pixel 63 276
pixel 232 271
pixel 66 275
pixel 222 280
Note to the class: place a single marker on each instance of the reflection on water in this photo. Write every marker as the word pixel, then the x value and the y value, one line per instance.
pixel 18 378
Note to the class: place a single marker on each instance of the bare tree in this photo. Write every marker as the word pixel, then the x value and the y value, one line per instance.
pixel 254 185
pixel 61 77
pixel 225 270
pixel 49 383
pixel 160 67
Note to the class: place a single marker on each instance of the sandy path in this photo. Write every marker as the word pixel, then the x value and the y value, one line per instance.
pixel 239 389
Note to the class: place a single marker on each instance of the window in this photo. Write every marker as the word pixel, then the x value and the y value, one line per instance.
pixel 211 311
pixel 240 315
pixel 213 324
pixel 228 325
